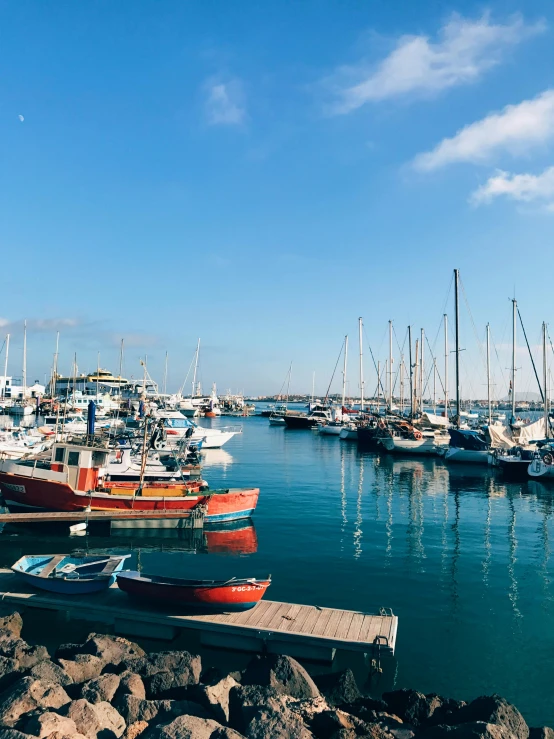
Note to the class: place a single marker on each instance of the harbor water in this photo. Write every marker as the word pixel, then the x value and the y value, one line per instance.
pixel 462 557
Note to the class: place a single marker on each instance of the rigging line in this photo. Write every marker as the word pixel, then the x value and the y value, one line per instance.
pixel 333 375
pixel 479 343
pixel 372 357
pixel 468 376
pixel 499 362
pixel 187 377
pixel 530 355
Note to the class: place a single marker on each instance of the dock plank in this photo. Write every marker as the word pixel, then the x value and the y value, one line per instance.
pixel 354 627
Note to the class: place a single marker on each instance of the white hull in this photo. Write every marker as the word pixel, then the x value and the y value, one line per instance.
pixel 466 456
pixel 329 430
pixel 537 469
pixel 213 438
pixel 20 410
pixel 348 434
pixel 412 446
pixel 277 421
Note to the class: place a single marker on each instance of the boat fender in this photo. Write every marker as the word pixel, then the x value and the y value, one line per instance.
pixel 548 459
pixel 418 435
pixel 382 425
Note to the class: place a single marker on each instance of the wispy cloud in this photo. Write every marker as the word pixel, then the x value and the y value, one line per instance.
pixel 520 187
pixel 225 102
pixel 417 66
pixel 516 129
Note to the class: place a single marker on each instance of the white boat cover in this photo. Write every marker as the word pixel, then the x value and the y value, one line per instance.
pixel 434 420
pixel 532 432
pixel 501 436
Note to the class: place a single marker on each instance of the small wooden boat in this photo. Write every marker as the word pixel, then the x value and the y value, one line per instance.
pixel 62 573
pixel 206 595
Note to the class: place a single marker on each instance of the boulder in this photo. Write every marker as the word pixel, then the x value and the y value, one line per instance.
pixel 326 723
pixel 68 651
pixel 544 732
pixel 283 673
pixel 16 648
pixel 365 708
pixel 28 694
pixel 49 671
pixel 134 730
pixel 111 649
pixel 45 724
pixel 92 720
pixel 100 689
pixel 245 700
pixel 84 667
pixel 12 623
pixel 470 730
pixel 6 733
pixel 338 687
pixel 9 672
pixel 215 697
pixel 135 709
pixel 192 727
pixel 269 723
pixel 169 672
pixel 131 684
pixel 411 706
pixel 492 709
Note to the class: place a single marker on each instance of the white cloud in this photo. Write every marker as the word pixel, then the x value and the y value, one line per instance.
pixel 225 103
pixel 516 129
pixel 520 187
pixel 463 50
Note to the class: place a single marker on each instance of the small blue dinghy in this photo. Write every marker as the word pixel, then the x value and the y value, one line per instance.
pixel 62 573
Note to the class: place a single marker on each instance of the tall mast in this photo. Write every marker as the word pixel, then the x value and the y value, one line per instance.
pixel 360 328
pixel 24 360
pixel 545 379
pixel 489 371
pixel 411 372
pixel 378 386
pixel 421 383
pixel 97 374
pixel 457 318
pixel 6 364
pixel 445 365
pixel 165 375
pixel 288 384
pixel 56 355
pixel 435 386
pixel 416 376
pixel 313 386
pixel 514 312
pixel 390 365
pixel 344 371
pixel 402 384
pixel 195 369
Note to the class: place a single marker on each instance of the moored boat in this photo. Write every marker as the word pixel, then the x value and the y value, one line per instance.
pixel 62 573
pixel 205 595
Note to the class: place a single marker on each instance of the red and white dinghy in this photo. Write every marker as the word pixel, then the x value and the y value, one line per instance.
pixel 75 479
pixel 205 595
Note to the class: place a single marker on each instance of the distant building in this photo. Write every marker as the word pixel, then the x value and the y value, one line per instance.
pixel 12 388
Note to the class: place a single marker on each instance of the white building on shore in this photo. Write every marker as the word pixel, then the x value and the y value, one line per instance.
pixel 11 388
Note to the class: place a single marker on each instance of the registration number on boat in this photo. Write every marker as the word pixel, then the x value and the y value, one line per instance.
pixel 244 588
pixel 15 488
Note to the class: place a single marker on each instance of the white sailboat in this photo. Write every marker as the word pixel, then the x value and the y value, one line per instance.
pixel 334 427
pixel 22 407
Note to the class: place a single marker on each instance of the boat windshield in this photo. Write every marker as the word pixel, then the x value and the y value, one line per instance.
pixel 178 423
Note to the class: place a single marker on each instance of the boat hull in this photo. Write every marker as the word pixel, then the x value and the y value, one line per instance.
pixel 423 447
pixel 466 456
pixel 300 422
pixel 219 598
pixel 27 493
pixel 329 430
pixel 67 586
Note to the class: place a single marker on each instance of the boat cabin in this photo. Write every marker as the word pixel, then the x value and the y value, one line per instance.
pixel 84 465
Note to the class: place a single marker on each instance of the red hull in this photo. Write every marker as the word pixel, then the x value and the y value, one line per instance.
pixel 232 596
pixel 28 493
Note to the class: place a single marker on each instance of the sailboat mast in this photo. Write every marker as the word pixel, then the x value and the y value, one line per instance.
pixel 288 385
pixel 195 369
pixel 55 377
pixel 411 372
pixel 545 378
pixel 390 365
pixel 6 364
pixel 435 386
pixel 165 375
pixel 313 386
pixel 416 376
pixel 402 384
pixel 421 383
pixel 24 360
pixel 514 312
pixel 97 374
pixel 378 387
pixel 445 365
pixel 360 328
pixel 344 371
pixel 457 318
pixel 489 371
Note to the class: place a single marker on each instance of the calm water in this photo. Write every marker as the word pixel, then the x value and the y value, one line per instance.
pixel 462 558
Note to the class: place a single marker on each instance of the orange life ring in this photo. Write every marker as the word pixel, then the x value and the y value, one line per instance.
pixel 418 435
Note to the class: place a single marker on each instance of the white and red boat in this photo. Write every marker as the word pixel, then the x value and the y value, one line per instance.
pixel 76 479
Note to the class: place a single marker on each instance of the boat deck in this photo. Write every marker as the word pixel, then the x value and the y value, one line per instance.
pixel 311 632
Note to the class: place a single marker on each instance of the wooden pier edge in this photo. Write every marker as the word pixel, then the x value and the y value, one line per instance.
pixel 308 632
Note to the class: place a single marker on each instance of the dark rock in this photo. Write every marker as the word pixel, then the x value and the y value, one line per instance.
pixel 28 694
pixel 68 651
pixel 92 720
pixel 212 675
pixel 111 649
pixel 215 697
pixel 84 667
pixel 168 672
pixel 268 723
pixel 45 724
pixel 338 687
pixel 471 730
pixel 445 713
pixel 282 673
pixel 49 671
pixel 12 623
pixel 131 684
pixel 100 689
pixel 13 734
pixel 328 722
pixel 411 706
pixel 245 700
pixel 364 708
pixel 492 709
pixel 9 672
pixel 192 727
pixel 135 709
pixel 544 732
pixel 13 647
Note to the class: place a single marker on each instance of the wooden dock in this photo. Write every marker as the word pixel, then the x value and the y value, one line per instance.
pixel 308 632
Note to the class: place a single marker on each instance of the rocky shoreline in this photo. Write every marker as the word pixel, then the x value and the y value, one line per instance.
pixel 108 688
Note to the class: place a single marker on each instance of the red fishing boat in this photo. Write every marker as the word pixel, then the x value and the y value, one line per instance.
pixel 204 595
pixel 76 479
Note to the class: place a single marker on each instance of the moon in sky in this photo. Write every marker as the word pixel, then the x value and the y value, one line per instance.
pixel 21 118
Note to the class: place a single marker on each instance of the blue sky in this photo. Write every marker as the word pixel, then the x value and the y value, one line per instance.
pixel 261 174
